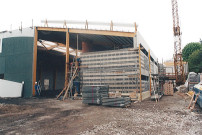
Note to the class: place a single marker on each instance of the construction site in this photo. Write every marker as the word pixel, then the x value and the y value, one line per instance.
pixel 58 79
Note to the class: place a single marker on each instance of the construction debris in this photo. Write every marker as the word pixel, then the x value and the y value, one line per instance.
pixel 182 88
pixel 190 93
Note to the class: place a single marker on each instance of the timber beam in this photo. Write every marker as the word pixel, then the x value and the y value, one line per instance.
pixel 87 31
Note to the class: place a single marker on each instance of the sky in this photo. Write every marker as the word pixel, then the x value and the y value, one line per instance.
pixel 154 17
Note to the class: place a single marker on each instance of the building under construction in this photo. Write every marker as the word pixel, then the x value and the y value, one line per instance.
pixel 121 60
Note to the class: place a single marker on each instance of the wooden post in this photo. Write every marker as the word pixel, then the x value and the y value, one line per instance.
pixel 77 44
pixel 140 74
pixel 149 73
pixel 67 59
pixel 34 59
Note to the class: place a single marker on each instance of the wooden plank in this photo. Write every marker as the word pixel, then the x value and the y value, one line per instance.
pixel 191 101
pixel 34 60
pixel 86 31
pixel 103 32
pixel 71 81
pixel 51 29
pixel 197 95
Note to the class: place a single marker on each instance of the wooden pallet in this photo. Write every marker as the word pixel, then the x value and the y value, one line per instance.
pixel 168 89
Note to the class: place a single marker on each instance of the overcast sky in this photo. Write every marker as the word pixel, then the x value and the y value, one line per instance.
pixel 154 17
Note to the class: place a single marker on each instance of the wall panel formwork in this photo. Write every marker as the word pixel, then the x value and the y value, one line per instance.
pixel 118 68
pixel 16 61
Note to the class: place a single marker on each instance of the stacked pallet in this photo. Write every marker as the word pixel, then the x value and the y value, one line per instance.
pixel 94 94
pixel 168 88
pixel 116 101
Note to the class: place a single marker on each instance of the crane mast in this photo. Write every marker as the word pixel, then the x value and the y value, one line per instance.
pixel 178 64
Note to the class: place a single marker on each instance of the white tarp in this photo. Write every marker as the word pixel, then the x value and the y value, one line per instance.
pixel 10 89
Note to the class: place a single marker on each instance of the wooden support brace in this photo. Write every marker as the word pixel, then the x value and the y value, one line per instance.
pixel 70 83
pixel 67 59
pixel 34 60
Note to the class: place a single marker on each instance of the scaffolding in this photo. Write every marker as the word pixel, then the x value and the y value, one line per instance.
pixel 120 69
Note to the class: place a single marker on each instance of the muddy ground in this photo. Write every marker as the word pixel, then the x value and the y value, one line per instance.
pixel 48 116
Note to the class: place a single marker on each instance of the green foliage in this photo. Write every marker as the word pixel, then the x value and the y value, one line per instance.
pixel 195 61
pixel 189 49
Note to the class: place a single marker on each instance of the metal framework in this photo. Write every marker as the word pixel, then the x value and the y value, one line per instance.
pixel 178 64
pixel 86 24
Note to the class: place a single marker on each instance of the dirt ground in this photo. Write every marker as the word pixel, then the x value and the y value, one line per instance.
pixel 48 116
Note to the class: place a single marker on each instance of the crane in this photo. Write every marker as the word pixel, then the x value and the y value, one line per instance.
pixel 178 63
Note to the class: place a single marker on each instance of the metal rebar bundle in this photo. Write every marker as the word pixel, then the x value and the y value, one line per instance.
pixel 116 101
pixel 94 94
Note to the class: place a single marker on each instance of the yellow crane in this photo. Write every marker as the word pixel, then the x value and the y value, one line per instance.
pixel 178 62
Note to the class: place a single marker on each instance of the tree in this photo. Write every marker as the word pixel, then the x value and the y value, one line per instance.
pixel 195 61
pixel 189 49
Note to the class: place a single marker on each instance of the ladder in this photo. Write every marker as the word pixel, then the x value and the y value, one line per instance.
pixel 193 102
pixel 70 84
pixel 70 76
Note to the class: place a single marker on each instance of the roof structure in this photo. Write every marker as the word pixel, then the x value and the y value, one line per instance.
pixel 103 39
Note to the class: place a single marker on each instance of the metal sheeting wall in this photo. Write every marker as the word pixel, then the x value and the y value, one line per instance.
pixel 16 61
pixel 119 69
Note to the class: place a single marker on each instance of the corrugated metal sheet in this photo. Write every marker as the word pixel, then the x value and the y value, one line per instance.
pixel 16 61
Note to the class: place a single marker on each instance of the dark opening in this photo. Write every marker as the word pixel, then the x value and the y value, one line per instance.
pixel 1 76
